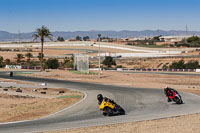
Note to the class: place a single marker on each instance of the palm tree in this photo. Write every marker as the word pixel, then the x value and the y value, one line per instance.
pixel 7 61
pixel 19 57
pixel 1 61
pixel 42 34
pixel 29 56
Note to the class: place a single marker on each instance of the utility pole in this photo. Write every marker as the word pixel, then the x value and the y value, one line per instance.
pixel 99 74
pixel 186 33
pixel 19 36
pixel 186 30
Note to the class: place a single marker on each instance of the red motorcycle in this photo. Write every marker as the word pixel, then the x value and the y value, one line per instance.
pixel 173 95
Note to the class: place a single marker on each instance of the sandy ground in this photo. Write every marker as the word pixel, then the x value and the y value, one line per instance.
pixel 183 124
pixel 59 51
pixel 127 79
pixel 189 123
pixel 30 104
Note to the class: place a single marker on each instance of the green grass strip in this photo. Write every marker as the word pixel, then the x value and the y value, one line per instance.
pixel 63 97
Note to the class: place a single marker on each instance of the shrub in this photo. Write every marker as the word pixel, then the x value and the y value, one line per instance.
pixel 182 45
pixel 52 63
pixel 19 57
pixel 109 61
pixel 165 67
pixel 192 65
pixel 68 62
pixel 193 39
pixel 120 66
pixel 7 62
pixel 182 65
pixel 130 44
pixel 178 65
pixel 61 39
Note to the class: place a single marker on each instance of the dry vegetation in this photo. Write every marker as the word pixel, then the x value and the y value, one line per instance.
pixel 151 62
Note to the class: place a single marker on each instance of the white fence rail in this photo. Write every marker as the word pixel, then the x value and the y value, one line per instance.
pixel 13 67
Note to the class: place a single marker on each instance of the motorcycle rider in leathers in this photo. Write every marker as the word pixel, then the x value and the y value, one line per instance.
pixel 100 98
pixel 169 92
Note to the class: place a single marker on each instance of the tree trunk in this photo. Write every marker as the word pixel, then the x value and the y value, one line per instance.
pixel 41 59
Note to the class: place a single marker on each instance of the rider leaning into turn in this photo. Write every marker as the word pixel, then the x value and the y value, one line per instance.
pixel 100 98
pixel 169 92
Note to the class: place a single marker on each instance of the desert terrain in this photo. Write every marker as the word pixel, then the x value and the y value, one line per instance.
pixel 33 101
pixel 189 123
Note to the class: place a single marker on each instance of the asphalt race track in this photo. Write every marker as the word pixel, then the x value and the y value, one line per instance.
pixel 139 104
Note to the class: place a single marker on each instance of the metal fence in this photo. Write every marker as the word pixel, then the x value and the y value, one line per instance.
pixel 81 62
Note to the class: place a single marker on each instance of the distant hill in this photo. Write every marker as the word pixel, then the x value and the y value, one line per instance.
pixel 6 36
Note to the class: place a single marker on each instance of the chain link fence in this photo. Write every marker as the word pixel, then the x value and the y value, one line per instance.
pixel 81 62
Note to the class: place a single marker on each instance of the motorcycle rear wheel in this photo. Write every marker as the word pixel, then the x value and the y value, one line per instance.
pixel 109 111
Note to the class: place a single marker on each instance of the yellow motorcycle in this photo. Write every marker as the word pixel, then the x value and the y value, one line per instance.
pixel 111 109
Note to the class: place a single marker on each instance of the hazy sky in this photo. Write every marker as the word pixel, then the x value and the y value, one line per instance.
pixel 79 15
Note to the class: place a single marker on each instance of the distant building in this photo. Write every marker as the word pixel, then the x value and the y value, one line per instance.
pixel 172 39
pixel 108 39
pixel 72 39
pixel 135 38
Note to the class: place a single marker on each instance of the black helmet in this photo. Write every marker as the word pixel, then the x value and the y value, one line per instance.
pixel 100 97
pixel 166 88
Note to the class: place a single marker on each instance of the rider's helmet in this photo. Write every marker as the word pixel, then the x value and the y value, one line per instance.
pixel 100 97
pixel 166 88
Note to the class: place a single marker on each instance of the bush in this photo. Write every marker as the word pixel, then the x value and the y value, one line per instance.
pixel 60 39
pixel 52 63
pixel 7 62
pixel 182 65
pixel 192 65
pixel 130 44
pixel 193 39
pixel 109 61
pixel 182 45
pixel 120 66
pixel 178 65
pixel 165 67
pixel 68 62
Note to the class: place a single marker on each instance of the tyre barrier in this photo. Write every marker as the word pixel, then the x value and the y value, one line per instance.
pixel 157 70
pixel 30 67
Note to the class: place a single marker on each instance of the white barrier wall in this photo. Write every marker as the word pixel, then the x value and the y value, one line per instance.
pixel 13 67
pixel 197 70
